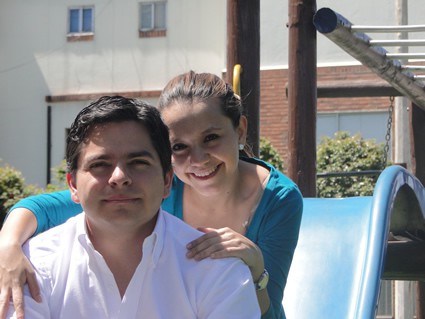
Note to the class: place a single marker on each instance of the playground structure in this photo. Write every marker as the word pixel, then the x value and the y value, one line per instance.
pixel 346 247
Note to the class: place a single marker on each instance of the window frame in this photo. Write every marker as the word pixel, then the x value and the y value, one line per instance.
pixel 80 31
pixel 154 6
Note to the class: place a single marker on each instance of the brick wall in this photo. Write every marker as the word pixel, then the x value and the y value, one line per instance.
pixel 274 103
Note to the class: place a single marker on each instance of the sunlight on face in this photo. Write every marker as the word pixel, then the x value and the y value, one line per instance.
pixel 204 144
pixel 119 180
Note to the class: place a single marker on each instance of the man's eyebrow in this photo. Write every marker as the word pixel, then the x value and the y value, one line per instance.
pixel 143 153
pixel 97 157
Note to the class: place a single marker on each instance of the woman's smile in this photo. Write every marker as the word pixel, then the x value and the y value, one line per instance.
pixel 206 174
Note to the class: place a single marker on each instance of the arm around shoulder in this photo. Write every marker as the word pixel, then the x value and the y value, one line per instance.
pixel 15 269
pixel 50 209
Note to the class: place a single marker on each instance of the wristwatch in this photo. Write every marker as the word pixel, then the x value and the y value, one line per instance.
pixel 261 283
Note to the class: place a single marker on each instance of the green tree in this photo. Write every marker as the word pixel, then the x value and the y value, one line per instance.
pixel 346 153
pixel 269 154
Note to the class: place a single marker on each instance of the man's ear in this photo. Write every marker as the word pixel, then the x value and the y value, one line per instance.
pixel 168 180
pixel 70 178
pixel 242 129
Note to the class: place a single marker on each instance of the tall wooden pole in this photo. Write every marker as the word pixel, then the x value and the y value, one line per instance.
pixel 302 95
pixel 243 47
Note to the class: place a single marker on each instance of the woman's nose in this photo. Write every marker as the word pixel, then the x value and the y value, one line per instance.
pixel 198 155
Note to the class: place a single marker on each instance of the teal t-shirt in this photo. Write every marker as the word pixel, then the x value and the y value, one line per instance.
pixel 274 227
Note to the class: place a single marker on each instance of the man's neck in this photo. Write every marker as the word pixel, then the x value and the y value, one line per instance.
pixel 121 249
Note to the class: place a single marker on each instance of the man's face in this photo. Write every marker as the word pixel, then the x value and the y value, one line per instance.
pixel 119 181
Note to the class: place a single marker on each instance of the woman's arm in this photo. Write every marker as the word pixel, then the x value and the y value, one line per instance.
pixel 28 217
pixel 50 209
pixel 15 268
pixel 277 238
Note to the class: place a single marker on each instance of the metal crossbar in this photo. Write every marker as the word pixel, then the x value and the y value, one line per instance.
pixel 386 29
pixel 392 67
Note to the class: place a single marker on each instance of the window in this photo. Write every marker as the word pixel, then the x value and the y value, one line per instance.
pixel 81 24
pixel 152 19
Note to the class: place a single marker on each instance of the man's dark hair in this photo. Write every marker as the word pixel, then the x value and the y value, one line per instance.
pixel 113 109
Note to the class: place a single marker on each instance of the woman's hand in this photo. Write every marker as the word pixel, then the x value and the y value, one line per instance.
pixel 15 271
pixel 225 242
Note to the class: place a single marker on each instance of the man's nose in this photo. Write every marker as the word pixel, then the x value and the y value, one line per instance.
pixel 120 176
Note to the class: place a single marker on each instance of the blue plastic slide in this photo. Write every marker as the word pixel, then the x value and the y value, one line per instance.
pixel 340 257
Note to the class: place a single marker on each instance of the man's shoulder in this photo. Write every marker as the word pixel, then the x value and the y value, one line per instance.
pixel 178 229
pixel 181 234
pixel 53 240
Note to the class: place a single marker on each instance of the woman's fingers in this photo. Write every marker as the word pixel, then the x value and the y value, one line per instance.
pixel 33 286
pixel 216 243
pixel 4 301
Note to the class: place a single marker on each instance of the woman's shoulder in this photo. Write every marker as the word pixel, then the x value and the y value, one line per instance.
pixel 276 178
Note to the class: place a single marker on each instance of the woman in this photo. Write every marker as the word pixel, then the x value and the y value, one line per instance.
pixel 246 208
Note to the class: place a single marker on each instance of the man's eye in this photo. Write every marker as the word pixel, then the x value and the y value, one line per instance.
pixel 178 147
pixel 140 162
pixel 211 137
pixel 98 165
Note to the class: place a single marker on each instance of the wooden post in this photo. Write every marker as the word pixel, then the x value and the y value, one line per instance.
pixel 243 47
pixel 302 98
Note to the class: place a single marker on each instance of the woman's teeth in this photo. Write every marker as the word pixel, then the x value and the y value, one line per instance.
pixel 206 173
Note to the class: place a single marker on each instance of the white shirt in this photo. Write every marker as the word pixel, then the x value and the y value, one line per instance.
pixel 75 281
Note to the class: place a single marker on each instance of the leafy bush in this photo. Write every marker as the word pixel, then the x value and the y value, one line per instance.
pixel 59 178
pixel 347 153
pixel 269 154
pixel 13 187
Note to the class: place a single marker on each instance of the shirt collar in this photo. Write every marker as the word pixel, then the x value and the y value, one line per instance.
pixel 153 244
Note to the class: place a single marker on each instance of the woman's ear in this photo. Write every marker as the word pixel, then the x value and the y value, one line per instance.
pixel 72 187
pixel 242 129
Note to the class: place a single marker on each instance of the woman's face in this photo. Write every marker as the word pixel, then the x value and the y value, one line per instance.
pixel 204 144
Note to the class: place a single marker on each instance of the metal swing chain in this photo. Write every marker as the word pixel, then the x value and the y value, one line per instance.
pixel 388 135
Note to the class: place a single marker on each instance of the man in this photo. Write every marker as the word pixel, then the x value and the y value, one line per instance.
pixel 123 257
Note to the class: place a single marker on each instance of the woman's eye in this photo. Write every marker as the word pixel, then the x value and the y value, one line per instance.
pixel 178 147
pixel 211 137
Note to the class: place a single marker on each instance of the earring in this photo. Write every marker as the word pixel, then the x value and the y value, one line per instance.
pixel 241 147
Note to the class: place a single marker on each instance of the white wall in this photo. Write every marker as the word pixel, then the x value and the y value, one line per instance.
pixel 36 60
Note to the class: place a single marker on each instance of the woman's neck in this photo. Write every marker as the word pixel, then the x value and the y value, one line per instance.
pixel 234 206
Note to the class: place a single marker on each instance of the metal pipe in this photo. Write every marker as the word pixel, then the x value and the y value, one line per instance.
pixel 413 67
pixel 401 56
pixel 49 144
pixel 386 29
pixel 338 29
pixel 397 42
pixel 349 174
